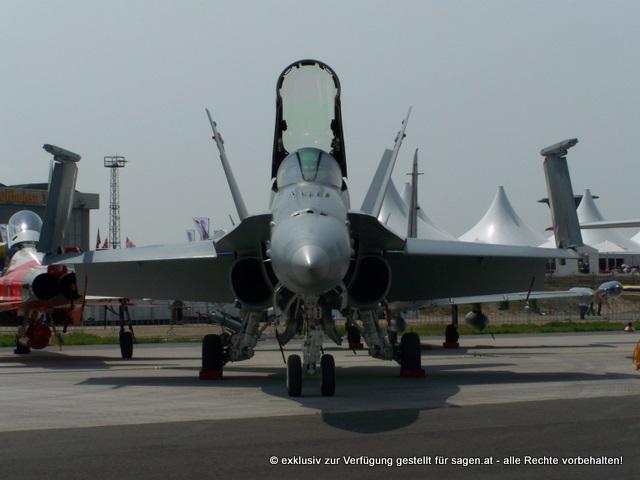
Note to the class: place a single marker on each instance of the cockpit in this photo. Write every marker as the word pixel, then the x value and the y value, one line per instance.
pixel 24 228
pixel 309 165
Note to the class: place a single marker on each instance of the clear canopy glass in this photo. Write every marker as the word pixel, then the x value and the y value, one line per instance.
pixel 309 165
pixel 24 227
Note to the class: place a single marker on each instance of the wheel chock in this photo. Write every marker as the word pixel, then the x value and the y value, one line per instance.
pixel 210 374
pixel 412 373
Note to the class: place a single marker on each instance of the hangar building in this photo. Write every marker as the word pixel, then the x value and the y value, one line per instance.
pixel 34 197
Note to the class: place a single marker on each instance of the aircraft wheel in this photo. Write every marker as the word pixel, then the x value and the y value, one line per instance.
pixel 328 381
pixel 126 344
pixel 211 353
pixel 294 376
pixel 410 351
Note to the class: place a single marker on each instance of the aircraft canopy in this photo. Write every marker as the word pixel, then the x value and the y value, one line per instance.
pixel 309 165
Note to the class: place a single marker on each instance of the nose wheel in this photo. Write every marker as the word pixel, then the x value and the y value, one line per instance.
pixel 294 376
pixel 327 380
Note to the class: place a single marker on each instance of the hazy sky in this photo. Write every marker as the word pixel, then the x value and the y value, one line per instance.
pixel 491 83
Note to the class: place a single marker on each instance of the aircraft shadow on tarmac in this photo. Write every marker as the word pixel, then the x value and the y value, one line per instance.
pixel 369 398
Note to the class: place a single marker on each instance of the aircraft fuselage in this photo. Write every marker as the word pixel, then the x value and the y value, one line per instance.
pixel 310 245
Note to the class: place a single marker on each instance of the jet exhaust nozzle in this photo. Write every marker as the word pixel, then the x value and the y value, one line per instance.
pixel 68 287
pixel 43 286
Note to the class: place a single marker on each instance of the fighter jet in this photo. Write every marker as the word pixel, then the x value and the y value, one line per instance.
pixel 30 289
pixel 312 253
pixel 46 295
pixel 37 292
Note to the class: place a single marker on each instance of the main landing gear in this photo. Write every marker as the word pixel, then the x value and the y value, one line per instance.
pixel 218 350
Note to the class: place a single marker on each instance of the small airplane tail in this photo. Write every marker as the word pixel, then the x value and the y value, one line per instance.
pixel 561 201
pixel 61 191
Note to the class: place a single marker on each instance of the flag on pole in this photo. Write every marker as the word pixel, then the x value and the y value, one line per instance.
pixel 129 244
pixel 105 245
pixel 202 224
pixel 191 235
pixel 98 241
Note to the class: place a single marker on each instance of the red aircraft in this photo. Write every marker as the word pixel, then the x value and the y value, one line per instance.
pixel 37 293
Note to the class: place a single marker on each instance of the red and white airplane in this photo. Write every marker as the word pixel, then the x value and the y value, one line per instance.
pixel 39 294
pixel 30 289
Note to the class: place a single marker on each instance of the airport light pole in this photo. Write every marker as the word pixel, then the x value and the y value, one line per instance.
pixel 114 163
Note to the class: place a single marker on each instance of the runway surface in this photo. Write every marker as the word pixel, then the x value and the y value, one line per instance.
pixel 532 406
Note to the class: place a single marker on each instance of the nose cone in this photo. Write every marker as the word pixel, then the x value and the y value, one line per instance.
pixel 310 265
pixel 310 255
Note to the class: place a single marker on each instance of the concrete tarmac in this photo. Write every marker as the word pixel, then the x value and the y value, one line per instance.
pixel 531 406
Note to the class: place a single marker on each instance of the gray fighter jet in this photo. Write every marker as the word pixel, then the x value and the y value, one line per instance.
pixel 312 253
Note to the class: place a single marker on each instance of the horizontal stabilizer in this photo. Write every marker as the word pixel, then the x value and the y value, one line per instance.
pixel 611 224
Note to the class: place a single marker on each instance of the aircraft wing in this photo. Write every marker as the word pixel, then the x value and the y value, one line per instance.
pixel 193 271
pixel 576 293
pixel 427 270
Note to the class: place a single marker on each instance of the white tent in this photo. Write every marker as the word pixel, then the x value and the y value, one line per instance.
pixel 605 240
pixel 395 214
pixel 502 225
pixel 426 227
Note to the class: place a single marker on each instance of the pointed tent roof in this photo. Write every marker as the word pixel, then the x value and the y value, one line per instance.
pixel 502 225
pixel 395 214
pixel 426 227
pixel 605 240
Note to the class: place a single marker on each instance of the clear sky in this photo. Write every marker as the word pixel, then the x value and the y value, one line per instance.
pixel 491 83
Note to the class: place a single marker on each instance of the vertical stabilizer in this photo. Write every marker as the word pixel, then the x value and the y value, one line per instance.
pixel 61 190
pixel 375 195
pixel 231 180
pixel 563 211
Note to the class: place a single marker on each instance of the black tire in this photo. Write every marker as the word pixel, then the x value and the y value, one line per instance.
pixel 126 344
pixel 328 381
pixel 410 351
pixel 212 353
pixel 294 376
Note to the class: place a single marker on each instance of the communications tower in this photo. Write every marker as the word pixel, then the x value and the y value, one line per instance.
pixel 114 163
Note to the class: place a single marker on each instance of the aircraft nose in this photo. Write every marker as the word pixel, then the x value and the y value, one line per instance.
pixel 310 254
pixel 310 265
